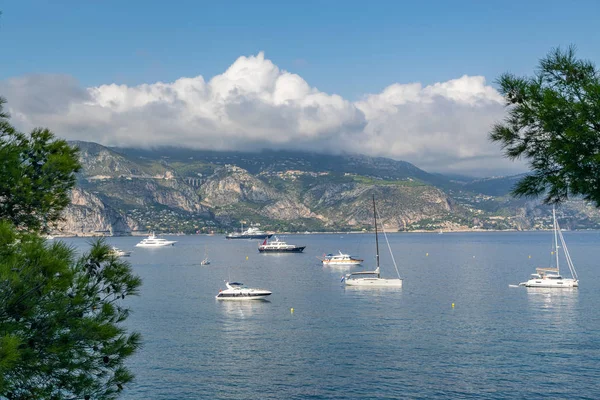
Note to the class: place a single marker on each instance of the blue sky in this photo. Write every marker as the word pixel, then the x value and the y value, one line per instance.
pixel 410 80
pixel 344 47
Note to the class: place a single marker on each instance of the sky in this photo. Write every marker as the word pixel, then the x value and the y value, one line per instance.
pixel 408 80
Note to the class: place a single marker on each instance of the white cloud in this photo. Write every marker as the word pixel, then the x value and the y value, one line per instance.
pixel 254 105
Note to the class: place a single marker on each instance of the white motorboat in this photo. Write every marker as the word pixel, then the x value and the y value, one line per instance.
pixel 237 291
pixel 119 253
pixel 550 277
pixel 153 241
pixel 373 278
pixel 279 246
pixel 340 259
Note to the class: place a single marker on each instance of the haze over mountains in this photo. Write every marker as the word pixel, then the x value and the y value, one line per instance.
pixel 125 190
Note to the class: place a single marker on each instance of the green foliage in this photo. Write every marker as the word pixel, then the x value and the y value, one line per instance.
pixel 37 171
pixel 554 122
pixel 60 319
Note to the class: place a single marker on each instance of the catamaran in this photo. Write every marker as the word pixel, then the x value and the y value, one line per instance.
pixel 551 277
pixel 373 278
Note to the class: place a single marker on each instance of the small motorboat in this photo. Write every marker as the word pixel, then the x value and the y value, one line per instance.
pixel 340 259
pixel 119 253
pixel 238 291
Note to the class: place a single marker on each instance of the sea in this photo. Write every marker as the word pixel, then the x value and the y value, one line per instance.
pixel 455 330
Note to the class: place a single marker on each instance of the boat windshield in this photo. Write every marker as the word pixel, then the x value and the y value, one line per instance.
pixel 235 284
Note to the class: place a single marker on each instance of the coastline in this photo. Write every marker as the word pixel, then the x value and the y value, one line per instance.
pixel 420 231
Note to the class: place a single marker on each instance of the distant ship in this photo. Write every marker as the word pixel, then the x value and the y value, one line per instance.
pixel 251 233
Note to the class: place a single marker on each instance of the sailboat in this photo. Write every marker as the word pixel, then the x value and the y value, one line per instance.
pixel 551 277
pixel 205 261
pixel 373 278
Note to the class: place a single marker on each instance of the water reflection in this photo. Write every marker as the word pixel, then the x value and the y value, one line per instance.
pixel 550 298
pixel 553 305
pixel 373 292
pixel 235 310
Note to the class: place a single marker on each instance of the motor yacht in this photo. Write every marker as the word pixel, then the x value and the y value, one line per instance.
pixel 119 253
pixel 238 291
pixel 279 246
pixel 250 233
pixel 340 259
pixel 153 241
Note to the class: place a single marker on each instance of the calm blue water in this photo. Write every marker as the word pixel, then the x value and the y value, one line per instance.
pixel 348 343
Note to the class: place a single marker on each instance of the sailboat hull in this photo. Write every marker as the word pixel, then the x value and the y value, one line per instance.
pixel 551 283
pixel 374 282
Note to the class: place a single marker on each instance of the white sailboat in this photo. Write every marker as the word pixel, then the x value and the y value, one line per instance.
pixel 551 277
pixel 373 278
pixel 205 261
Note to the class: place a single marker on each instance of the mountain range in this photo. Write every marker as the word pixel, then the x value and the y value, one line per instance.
pixel 123 191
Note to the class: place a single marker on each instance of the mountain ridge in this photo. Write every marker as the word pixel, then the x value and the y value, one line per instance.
pixel 183 190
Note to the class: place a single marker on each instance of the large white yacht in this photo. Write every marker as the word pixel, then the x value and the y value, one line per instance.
pixel 340 259
pixel 279 246
pixel 250 233
pixel 550 277
pixel 237 291
pixel 153 241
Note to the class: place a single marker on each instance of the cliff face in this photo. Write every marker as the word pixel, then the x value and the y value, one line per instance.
pixel 230 185
pixel 88 215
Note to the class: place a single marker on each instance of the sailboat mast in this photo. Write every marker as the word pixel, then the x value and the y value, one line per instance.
pixel 555 238
pixel 376 238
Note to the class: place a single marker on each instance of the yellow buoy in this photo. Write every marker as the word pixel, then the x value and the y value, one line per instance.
pixel 246 258
pixel 529 256
pixel 452 305
pixel 426 254
pixel 292 310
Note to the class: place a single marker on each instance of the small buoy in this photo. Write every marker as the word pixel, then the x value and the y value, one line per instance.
pixel 473 256
pixel 246 258
pixel 292 310
pixel 452 305
pixel 426 254
pixel 529 256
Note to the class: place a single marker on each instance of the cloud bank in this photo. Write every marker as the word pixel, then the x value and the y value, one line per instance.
pixel 255 105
